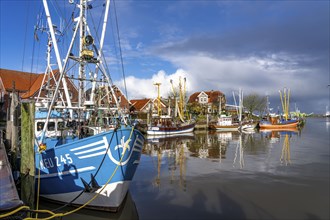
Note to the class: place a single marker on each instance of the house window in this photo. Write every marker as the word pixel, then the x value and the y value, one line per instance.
pixel 203 100
pixel 70 94
pixel 119 99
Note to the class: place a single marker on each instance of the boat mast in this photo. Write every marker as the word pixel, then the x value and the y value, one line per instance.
pixel 105 21
pixel 285 100
pixel 175 99
pixel 240 101
pixel 48 72
pixel 58 58
pixel 82 6
pixel 158 98
pixel 220 105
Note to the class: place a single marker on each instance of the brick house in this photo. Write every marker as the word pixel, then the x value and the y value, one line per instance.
pixel 209 101
pixel 144 106
pixel 27 86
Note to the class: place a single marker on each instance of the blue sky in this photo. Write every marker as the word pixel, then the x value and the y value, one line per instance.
pixel 258 46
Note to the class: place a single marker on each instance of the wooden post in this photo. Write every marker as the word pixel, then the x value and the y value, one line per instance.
pixel 27 154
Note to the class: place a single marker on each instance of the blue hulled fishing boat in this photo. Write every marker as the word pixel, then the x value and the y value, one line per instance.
pixel 86 149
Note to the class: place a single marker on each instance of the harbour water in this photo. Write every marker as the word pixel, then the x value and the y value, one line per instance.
pixel 228 175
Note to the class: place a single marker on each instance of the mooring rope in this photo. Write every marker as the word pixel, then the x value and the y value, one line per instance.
pixel 53 214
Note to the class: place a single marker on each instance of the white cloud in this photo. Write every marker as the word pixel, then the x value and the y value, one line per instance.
pixel 264 76
pixel 139 88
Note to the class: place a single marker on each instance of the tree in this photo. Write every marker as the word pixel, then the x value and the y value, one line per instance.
pixel 254 102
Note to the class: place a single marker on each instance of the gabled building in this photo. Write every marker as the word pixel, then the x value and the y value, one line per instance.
pixel 146 105
pixel 140 105
pixel 27 87
pixel 209 101
pixel 48 88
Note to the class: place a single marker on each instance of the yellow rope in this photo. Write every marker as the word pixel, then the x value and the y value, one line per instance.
pixel 38 189
pixel 53 215
pixel 14 211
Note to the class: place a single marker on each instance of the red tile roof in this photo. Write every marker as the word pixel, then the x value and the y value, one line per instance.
pixel 139 104
pixel 28 84
pixel 213 96
pixel 34 88
pixel 23 80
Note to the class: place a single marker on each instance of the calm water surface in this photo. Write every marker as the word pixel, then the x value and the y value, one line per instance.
pixel 228 175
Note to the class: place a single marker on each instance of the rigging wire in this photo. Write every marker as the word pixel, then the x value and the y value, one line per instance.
pixel 120 51
pixel 25 34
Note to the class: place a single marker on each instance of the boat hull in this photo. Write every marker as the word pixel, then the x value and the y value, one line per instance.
pixel 224 127
pixel 292 124
pixel 96 170
pixel 170 130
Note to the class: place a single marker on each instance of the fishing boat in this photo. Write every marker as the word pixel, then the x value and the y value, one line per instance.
pixel 164 125
pixel 82 158
pixel 248 126
pixel 224 123
pixel 275 121
pixel 171 124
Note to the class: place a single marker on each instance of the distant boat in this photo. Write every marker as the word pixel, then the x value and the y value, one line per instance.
pixel 164 125
pixel 275 122
pixel 248 126
pixel 170 124
pixel 224 123
pixel 160 138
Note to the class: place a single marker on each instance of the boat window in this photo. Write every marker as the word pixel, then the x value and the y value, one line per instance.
pixel 60 125
pixel 51 126
pixel 40 126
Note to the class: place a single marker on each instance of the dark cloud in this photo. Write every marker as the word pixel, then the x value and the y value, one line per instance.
pixel 299 28
pixel 289 40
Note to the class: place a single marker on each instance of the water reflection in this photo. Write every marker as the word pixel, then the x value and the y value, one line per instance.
pixel 226 148
pixel 275 136
pixel 285 156
pixel 169 152
pixel 327 123
pixel 240 152
pixel 232 175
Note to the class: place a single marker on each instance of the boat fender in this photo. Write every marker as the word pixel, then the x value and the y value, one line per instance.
pixel 42 147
